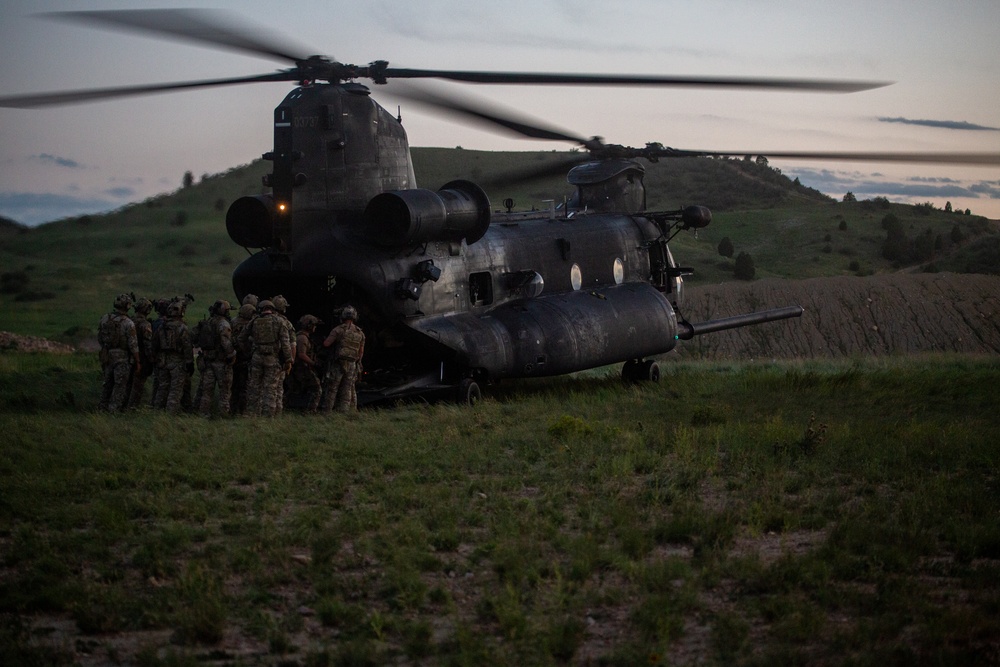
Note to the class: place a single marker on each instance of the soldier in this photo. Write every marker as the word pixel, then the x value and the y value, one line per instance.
pixel 119 355
pixel 304 376
pixel 186 403
pixel 270 360
pixel 172 345
pixel 348 342
pixel 241 368
pixel 144 335
pixel 281 308
pixel 161 306
pixel 218 353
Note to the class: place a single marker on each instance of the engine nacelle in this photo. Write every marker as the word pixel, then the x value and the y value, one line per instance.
pixel 459 210
pixel 250 221
pixel 695 217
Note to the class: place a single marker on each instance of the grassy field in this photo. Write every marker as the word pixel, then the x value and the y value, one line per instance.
pixel 736 513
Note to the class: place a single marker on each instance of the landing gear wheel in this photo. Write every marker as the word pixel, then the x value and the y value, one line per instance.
pixel 636 371
pixel 649 371
pixel 468 392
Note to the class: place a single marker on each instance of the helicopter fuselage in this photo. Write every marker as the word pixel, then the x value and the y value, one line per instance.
pixel 446 287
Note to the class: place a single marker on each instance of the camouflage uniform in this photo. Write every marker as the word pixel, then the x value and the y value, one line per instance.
pixel 241 367
pixel 144 335
pixel 218 361
pixel 161 306
pixel 186 402
pixel 348 342
pixel 304 377
pixel 174 354
pixel 119 353
pixel 269 361
pixel 281 307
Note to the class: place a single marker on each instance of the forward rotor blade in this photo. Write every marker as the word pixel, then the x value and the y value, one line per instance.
pixel 550 169
pixel 819 85
pixel 213 28
pixel 490 115
pixel 38 100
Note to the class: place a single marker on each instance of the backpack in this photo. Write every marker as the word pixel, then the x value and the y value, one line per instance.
pixel 168 338
pixel 109 332
pixel 205 337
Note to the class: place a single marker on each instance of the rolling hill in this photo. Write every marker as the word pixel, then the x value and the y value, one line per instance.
pixel 60 277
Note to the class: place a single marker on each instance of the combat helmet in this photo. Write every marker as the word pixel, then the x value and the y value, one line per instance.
pixel 307 321
pixel 349 313
pixel 161 306
pixel 247 311
pixel 123 302
pixel 143 306
pixel 183 301
pixel 175 309
pixel 251 299
pixel 265 305
pixel 280 303
pixel 221 307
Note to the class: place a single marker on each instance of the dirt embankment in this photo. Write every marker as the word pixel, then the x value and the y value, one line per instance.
pixel 10 341
pixel 846 316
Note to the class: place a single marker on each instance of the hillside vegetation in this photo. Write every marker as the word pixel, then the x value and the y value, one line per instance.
pixel 59 278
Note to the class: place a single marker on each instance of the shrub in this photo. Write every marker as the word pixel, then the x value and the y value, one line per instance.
pixel 726 248
pixel 745 269
pixel 31 295
pixel 13 282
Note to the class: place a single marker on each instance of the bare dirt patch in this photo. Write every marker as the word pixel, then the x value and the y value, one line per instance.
pixel 11 341
pixel 847 316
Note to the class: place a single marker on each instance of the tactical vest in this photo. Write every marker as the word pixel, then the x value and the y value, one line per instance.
pixel 242 351
pixel 144 333
pixel 266 334
pixel 350 343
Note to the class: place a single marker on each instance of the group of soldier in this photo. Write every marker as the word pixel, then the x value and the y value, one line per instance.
pixel 255 363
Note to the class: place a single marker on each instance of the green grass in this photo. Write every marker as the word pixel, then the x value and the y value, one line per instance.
pixel 798 512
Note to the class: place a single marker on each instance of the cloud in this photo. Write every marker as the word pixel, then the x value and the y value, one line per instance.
pixel 866 185
pixel 988 189
pixel 31 208
pixel 911 190
pixel 943 124
pixel 923 179
pixel 121 193
pixel 58 161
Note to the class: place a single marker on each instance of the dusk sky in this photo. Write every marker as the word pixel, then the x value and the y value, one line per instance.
pixel 943 57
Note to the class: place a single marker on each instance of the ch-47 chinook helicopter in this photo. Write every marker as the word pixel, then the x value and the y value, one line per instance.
pixel 451 294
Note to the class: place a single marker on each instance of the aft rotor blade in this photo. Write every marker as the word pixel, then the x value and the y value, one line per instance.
pixel 213 28
pixel 487 114
pixel 985 159
pixel 38 100
pixel 543 78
